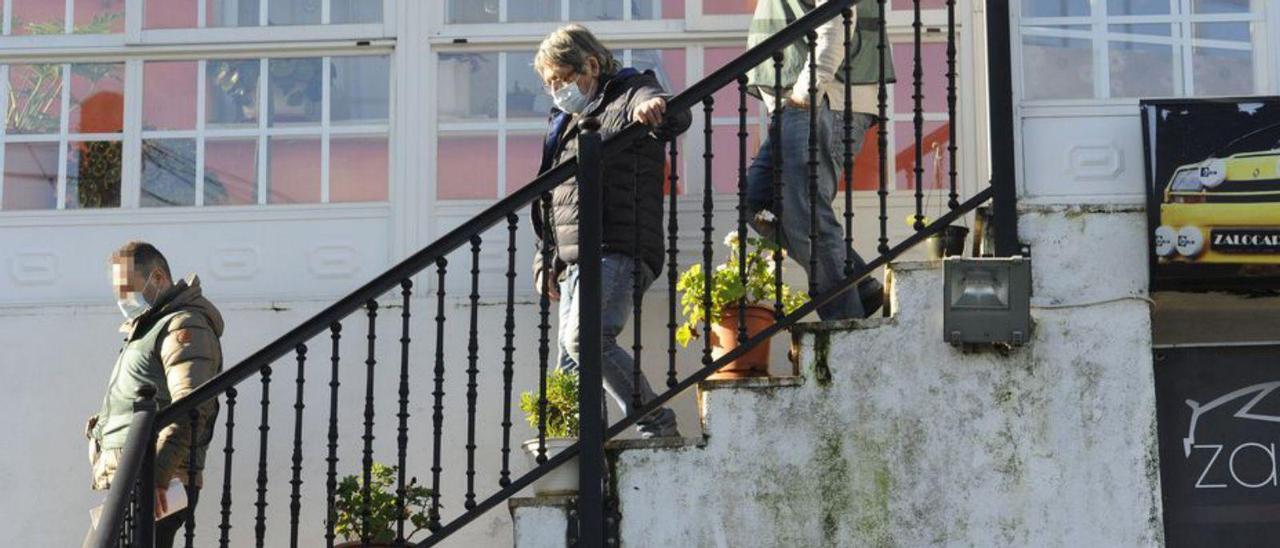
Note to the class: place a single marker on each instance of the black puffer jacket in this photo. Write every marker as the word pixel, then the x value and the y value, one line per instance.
pixel 633 180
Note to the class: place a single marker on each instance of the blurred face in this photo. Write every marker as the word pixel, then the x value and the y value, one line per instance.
pixel 127 278
pixel 558 76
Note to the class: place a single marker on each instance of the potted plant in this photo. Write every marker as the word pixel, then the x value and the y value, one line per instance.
pixel 383 509
pixel 562 431
pixel 729 291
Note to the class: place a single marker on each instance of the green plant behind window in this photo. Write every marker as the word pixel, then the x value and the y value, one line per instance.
pixel 562 404
pixel 728 287
pixel 383 511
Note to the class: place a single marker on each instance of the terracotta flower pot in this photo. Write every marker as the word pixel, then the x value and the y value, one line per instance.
pixel 724 339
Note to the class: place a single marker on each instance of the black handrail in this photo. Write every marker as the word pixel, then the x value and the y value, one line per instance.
pixel 111 521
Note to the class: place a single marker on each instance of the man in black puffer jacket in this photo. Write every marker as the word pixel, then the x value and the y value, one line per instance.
pixel 585 80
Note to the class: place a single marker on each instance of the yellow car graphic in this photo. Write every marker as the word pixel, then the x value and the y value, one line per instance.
pixel 1222 210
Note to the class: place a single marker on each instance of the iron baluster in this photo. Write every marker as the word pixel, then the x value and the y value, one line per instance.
pixel 917 120
pixel 473 349
pixel 402 431
pixel 847 16
pixel 637 288
pixel 775 154
pixel 742 206
pixel 591 461
pixel 224 538
pixel 508 351
pixel 295 496
pixel 953 201
pixel 366 509
pixel 437 415
pixel 708 206
pixel 193 491
pixel 331 475
pixel 260 522
pixel 882 134
pixel 673 258
pixel 544 325
pixel 812 45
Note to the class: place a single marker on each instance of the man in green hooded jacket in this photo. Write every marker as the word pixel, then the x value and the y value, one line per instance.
pixel 171 342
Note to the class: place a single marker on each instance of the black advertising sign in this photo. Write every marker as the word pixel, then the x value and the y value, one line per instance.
pixel 1213 193
pixel 1218 416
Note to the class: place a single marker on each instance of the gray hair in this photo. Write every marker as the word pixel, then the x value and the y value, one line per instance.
pixel 572 45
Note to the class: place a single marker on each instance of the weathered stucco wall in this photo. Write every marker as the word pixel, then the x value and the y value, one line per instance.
pixel 895 438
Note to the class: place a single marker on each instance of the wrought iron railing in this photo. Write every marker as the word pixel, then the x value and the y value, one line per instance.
pixel 132 493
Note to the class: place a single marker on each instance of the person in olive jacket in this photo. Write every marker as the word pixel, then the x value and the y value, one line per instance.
pixel 584 80
pixel 171 342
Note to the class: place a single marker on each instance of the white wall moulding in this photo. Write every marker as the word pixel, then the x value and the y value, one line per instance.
pixel 29 268
pixel 1084 158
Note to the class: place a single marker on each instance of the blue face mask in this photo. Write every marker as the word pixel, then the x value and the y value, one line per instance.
pixel 570 99
pixel 134 304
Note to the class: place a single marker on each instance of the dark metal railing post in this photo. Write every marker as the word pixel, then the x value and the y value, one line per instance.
pixel 1000 107
pixel 137 460
pixel 590 394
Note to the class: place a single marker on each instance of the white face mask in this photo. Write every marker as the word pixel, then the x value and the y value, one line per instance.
pixel 134 304
pixel 570 99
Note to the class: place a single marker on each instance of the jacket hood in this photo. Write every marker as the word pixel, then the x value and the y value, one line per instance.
pixel 185 295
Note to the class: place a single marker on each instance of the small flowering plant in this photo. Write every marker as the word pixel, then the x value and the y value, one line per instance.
pixel 729 288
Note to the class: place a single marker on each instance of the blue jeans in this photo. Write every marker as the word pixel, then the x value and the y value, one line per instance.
pixel 617 287
pixel 796 210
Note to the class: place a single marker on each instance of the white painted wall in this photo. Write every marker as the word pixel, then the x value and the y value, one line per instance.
pixel 913 442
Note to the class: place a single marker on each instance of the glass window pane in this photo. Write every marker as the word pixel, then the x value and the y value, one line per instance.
pixel 525 96
pixel 725 100
pixel 1233 32
pixel 231 92
pixel 232 13
pixel 30 176
pixel 657 9
pixel 358 169
pixel 355 11
pixel 724 165
pixel 98 16
pixel 35 99
pixel 293 172
pixel 93 174
pixel 293 12
pixel 467 86
pixel 169 95
pixel 924 4
pixel 1222 71
pixel 38 17
pixel 168 172
pixel 97 98
pixel 1141 70
pixel 1057 68
pixel 595 10
pixel 933 55
pixel 1220 6
pixel 1137 7
pixel 935 139
pixel 666 64
pixel 524 156
pixel 231 171
pixel 471 11
pixel 458 176
pixel 526 11
pixel 296 89
pixel 1055 8
pixel 361 89
pixel 170 14
pixel 728 7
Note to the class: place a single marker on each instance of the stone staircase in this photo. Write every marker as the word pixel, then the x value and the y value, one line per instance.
pixel 887 436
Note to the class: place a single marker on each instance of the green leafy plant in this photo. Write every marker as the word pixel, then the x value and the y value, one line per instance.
pixel 562 404
pixel 383 510
pixel 729 287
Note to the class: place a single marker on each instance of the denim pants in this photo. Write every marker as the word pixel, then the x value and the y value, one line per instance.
pixel 617 287
pixel 796 210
